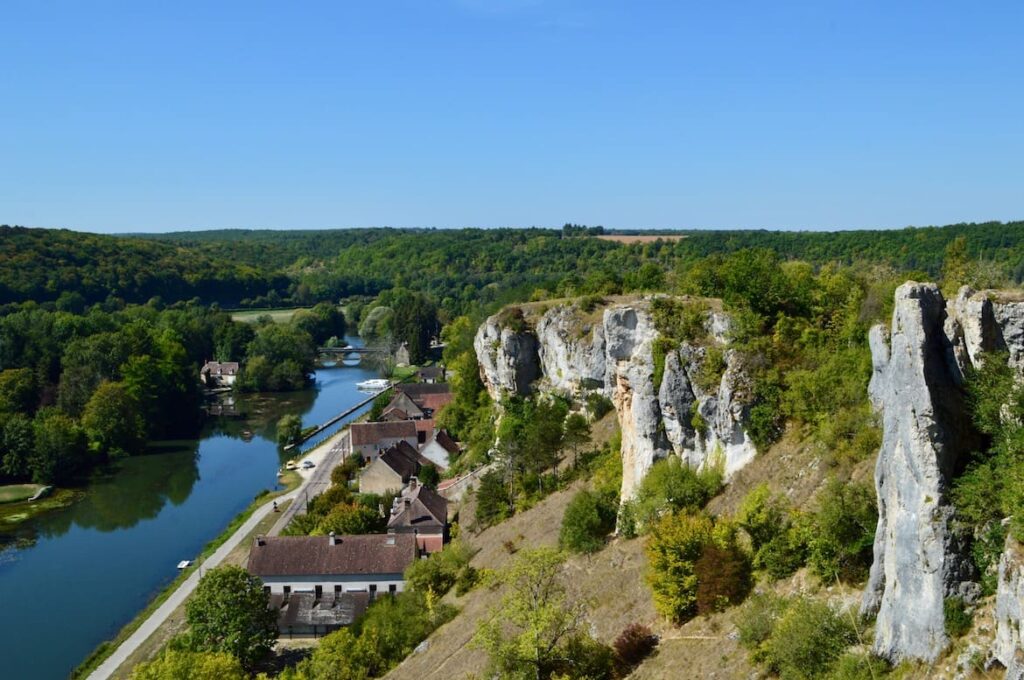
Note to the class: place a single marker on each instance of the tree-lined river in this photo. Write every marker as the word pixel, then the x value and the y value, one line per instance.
pixel 75 576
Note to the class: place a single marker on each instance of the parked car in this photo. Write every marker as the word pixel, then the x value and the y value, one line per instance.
pixel 291 465
pixel 307 464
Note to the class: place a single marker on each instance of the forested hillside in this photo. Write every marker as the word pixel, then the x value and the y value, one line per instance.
pixel 459 268
pixel 78 269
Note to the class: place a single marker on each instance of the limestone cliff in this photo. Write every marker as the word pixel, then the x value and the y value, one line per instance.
pixel 1009 642
pixel 917 384
pixel 613 352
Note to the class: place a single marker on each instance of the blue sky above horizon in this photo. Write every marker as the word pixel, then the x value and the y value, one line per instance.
pixel 137 116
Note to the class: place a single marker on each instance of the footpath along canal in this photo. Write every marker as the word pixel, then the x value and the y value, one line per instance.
pixel 72 578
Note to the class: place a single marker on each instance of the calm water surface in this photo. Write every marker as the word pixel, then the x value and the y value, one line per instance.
pixel 78 575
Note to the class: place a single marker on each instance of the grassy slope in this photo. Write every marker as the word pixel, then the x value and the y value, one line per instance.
pixel 613 586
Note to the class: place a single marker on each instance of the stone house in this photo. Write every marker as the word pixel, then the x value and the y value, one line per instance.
pixel 371 563
pixel 421 512
pixel 219 373
pixel 392 469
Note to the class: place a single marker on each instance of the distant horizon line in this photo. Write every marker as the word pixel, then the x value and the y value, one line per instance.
pixel 607 230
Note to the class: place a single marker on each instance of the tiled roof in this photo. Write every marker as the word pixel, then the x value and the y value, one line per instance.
pixel 445 440
pixel 368 554
pixel 435 402
pixel 404 403
pixel 371 433
pixel 416 390
pixel 220 368
pixel 425 508
pixel 403 459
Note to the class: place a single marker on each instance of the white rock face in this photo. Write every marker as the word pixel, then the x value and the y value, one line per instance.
pixel 917 384
pixel 571 354
pixel 629 334
pixel 616 358
pixel 1009 643
pixel 1009 320
pixel 508 359
pixel 722 439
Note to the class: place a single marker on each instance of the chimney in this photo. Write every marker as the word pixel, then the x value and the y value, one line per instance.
pixel 390 540
pixel 333 539
pixel 413 483
pixel 260 540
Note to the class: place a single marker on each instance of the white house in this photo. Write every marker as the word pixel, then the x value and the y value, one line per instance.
pixel 440 449
pixel 219 373
pixel 371 563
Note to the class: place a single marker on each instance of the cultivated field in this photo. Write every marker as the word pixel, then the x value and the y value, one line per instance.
pixel 641 238
pixel 278 315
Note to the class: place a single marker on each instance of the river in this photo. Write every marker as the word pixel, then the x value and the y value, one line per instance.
pixel 79 574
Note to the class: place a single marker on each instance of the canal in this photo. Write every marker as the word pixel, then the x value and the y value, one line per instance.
pixel 74 577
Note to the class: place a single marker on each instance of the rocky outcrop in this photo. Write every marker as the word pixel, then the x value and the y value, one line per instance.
pixel 507 357
pixel 571 351
pixel 616 356
pixel 629 336
pixel 917 383
pixel 706 427
pixel 1008 648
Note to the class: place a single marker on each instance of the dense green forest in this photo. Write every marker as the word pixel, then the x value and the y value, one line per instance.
pixel 458 268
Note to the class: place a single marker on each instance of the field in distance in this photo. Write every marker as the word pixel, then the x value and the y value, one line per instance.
pixel 641 238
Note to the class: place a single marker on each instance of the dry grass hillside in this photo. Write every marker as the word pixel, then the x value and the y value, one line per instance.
pixel 612 582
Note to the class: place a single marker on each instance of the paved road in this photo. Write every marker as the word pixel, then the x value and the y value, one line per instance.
pixel 314 484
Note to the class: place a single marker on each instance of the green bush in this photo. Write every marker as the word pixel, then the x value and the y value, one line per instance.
pixel 958 619
pixel 859 666
pixel 675 544
pixel 841 542
pixel 680 319
pixel 492 500
pixel 598 405
pixel 777 541
pixel 756 621
pixel 442 570
pixel 672 485
pixel 709 375
pixel 986 550
pixel 807 640
pixel 659 351
pixel 586 523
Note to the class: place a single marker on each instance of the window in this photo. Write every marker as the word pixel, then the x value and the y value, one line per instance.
pixel 392 588
pixel 287 589
pixel 319 592
pixel 266 589
pixel 337 589
pixel 373 587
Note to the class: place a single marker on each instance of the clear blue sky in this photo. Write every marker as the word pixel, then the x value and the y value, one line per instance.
pixel 121 116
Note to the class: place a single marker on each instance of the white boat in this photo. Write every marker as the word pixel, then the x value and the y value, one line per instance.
pixel 374 384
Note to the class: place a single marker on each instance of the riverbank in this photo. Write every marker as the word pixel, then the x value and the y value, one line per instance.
pixel 166 628
pixel 15 512
pixel 291 481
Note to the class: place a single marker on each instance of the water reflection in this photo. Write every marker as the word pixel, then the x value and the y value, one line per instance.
pixel 99 561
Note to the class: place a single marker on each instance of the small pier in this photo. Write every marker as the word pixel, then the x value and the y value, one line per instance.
pixel 344 414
